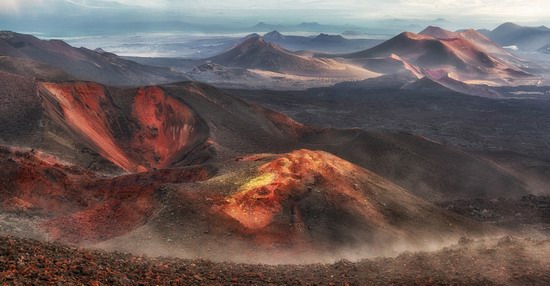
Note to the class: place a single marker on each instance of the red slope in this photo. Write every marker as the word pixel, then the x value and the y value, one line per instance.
pixel 167 125
pixel 475 37
pixel 161 128
pixel 291 176
pixel 484 43
pixel 459 55
pixel 83 110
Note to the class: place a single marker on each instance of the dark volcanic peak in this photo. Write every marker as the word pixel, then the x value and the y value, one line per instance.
pixel 309 24
pixel 260 24
pixel 507 32
pixel 526 38
pixel 352 33
pixel 273 36
pixel 510 27
pixel 247 37
pixel 264 26
pixel 326 38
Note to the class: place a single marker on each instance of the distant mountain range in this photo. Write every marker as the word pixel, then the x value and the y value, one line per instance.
pixel 307 27
pixel 321 43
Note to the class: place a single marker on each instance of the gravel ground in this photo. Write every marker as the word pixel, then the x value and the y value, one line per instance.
pixel 502 261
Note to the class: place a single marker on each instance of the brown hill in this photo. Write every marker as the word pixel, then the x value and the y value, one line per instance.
pixel 256 53
pixel 27 67
pixel 83 63
pixel 439 33
pixel 475 37
pixel 457 55
pixel 275 207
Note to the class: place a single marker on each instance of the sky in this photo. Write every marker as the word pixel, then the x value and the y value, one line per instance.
pixel 84 15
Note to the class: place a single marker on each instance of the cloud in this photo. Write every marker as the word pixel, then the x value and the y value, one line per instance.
pixel 95 4
pixel 10 7
pixel 356 10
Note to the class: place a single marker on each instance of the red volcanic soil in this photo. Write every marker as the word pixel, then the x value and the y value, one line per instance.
pixel 168 126
pixel 83 108
pixel 269 207
pixel 81 205
pixel 123 204
pixel 292 176
pixel 35 181
pixel 156 132
pixel 299 206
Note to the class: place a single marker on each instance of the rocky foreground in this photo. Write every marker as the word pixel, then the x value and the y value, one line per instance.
pixel 507 260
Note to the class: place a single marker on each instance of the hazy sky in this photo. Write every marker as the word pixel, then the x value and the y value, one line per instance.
pixel 473 13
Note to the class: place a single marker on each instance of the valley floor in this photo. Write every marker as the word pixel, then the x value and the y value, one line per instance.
pixel 498 261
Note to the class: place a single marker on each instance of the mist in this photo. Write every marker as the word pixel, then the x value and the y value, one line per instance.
pixel 77 17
